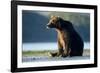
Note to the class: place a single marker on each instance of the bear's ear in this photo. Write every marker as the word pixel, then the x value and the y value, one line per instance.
pixel 52 16
pixel 60 20
pixel 58 17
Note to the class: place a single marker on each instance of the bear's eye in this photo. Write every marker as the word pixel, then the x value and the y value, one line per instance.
pixel 53 21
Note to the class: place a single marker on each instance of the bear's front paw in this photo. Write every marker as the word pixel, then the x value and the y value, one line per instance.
pixel 64 55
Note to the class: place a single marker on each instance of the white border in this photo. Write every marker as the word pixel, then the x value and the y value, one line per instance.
pixel 53 63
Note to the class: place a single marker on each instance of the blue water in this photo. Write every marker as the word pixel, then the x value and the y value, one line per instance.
pixel 45 46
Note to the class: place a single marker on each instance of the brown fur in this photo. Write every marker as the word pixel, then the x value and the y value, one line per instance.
pixel 69 42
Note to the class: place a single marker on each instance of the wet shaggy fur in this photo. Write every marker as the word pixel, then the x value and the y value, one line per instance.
pixel 69 41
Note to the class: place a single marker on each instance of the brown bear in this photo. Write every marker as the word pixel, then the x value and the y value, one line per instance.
pixel 69 41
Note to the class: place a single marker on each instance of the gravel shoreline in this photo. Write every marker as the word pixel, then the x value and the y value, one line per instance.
pixel 32 58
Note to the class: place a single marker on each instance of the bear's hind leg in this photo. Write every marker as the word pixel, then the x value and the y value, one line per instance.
pixel 76 53
pixel 56 54
pixel 53 54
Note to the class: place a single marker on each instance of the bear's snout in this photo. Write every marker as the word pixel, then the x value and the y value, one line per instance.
pixel 49 25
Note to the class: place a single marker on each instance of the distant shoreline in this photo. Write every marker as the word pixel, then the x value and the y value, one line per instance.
pixel 45 46
pixel 35 56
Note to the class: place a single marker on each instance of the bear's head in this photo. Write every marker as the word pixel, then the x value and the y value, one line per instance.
pixel 59 23
pixel 54 22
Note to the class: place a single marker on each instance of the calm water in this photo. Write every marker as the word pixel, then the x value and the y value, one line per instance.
pixel 46 46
